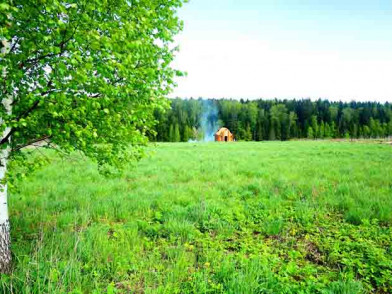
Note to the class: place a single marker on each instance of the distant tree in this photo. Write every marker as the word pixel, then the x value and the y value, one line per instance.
pixel 322 130
pixel 355 132
pixel 334 131
pixel 366 132
pixel 384 128
pixel 187 134
pixel 292 131
pixel 346 121
pixel 272 135
pixel 334 110
pixel 248 134
pixel 176 134
pixel 315 127
pixel 279 121
pixel 310 133
pixel 327 131
pixel 390 128
pixel 251 119
pixel 372 127
pixel 171 133
pixel 262 126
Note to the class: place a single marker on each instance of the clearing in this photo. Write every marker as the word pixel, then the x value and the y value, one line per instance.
pixel 257 217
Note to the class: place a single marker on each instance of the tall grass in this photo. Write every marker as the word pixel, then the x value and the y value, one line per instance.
pixel 276 217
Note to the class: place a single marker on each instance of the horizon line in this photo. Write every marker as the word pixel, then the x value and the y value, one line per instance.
pixel 282 99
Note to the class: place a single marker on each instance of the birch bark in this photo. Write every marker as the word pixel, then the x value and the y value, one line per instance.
pixel 5 241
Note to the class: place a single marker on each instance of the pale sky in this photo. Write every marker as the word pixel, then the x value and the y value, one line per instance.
pixel 334 49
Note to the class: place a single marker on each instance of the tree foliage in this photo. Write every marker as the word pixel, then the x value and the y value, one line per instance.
pixel 86 75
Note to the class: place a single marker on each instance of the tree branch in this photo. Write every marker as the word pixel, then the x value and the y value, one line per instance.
pixel 25 114
pixel 31 143
pixel 14 45
pixel 61 45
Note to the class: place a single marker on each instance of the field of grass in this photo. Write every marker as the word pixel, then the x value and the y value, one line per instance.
pixel 269 217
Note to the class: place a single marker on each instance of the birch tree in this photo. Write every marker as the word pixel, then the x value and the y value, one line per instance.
pixel 83 75
pixel 5 240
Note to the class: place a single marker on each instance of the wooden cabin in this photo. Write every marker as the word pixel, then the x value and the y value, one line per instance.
pixel 224 135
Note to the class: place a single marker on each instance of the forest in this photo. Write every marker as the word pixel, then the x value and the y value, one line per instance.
pixel 258 120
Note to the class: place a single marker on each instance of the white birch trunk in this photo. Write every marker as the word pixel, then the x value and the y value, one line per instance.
pixel 5 241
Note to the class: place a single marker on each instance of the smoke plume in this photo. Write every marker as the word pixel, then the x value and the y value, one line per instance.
pixel 209 122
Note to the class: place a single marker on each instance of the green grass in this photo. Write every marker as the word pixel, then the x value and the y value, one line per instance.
pixel 274 217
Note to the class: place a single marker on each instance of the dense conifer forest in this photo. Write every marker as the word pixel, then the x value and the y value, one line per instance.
pixel 198 119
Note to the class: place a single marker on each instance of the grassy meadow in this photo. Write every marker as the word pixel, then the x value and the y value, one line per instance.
pixel 257 217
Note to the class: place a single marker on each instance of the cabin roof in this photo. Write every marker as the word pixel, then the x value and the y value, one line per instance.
pixel 222 131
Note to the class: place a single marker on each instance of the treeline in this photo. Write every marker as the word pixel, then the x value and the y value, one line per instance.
pixel 273 119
